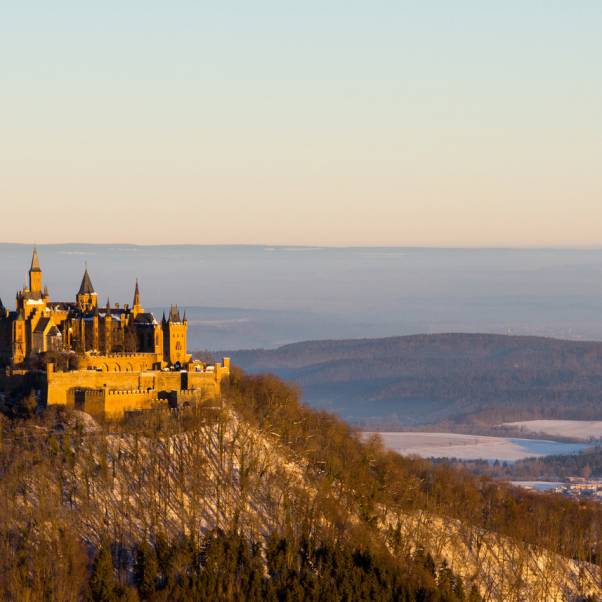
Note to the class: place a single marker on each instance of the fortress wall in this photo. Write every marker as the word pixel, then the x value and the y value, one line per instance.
pixel 94 402
pixel 61 385
pixel 114 392
pixel 205 381
pixel 168 381
pixel 121 362
pixel 118 402
pixel 113 404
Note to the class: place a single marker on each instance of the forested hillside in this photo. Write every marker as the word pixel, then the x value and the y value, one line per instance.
pixel 474 378
pixel 587 463
pixel 260 497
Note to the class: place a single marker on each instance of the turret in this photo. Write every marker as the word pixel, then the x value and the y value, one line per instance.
pixel 174 338
pixel 19 343
pixel 86 297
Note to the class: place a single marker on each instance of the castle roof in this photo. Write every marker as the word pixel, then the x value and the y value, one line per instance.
pixel 54 332
pixel 41 325
pixel 145 318
pixel 35 262
pixel 86 287
pixel 136 295
pixel 61 305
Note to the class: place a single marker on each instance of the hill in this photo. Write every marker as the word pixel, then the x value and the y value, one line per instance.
pixel 467 378
pixel 259 497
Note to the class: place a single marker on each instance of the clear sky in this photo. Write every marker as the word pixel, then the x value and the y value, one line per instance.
pixel 322 122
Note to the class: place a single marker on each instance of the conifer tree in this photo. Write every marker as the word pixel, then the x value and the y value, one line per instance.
pixel 102 585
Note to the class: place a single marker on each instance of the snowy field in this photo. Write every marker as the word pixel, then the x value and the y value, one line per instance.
pixel 538 485
pixel 575 429
pixel 473 447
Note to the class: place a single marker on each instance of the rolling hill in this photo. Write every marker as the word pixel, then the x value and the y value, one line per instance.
pixel 474 378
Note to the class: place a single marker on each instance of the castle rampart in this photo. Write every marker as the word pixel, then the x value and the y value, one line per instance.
pixel 113 393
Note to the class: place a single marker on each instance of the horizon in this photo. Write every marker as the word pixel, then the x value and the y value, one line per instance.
pixel 525 247
pixel 267 296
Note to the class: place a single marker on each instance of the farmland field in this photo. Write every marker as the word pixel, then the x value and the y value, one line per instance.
pixel 473 447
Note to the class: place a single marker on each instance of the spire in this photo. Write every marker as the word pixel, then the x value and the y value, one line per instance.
pixel 136 295
pixel 35 261
pixel 35 274
pixel 1 306
pixel 184 318
pixel 86 287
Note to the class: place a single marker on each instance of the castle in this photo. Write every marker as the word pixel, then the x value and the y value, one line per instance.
pixel 112 358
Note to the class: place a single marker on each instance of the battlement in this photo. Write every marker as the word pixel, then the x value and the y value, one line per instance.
pixel 109 392
pixel 96 354
pixel 112 393
pixel 121 362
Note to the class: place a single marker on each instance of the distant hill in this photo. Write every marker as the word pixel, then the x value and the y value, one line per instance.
pixel 475 378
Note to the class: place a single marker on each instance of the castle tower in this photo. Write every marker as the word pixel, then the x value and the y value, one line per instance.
pixel 174 337
pixel 95 330
pixel 19 340
pixel 86 297
pixel 158 339
pixel 107 330
pixel 35 274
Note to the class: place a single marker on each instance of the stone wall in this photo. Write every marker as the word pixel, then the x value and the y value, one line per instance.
pixel 113 393
pixel 113 404
pixel 121 362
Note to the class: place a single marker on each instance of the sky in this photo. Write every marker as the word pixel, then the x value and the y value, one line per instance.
pixel 465 123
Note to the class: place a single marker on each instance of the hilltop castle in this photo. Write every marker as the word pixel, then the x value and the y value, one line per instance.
pixel 124 358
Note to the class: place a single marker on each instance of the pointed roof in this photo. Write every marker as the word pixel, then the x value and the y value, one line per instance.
pixel 1 305
pixel 35 261
pixel 174 314
pixel 136 294
pixel 86 287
